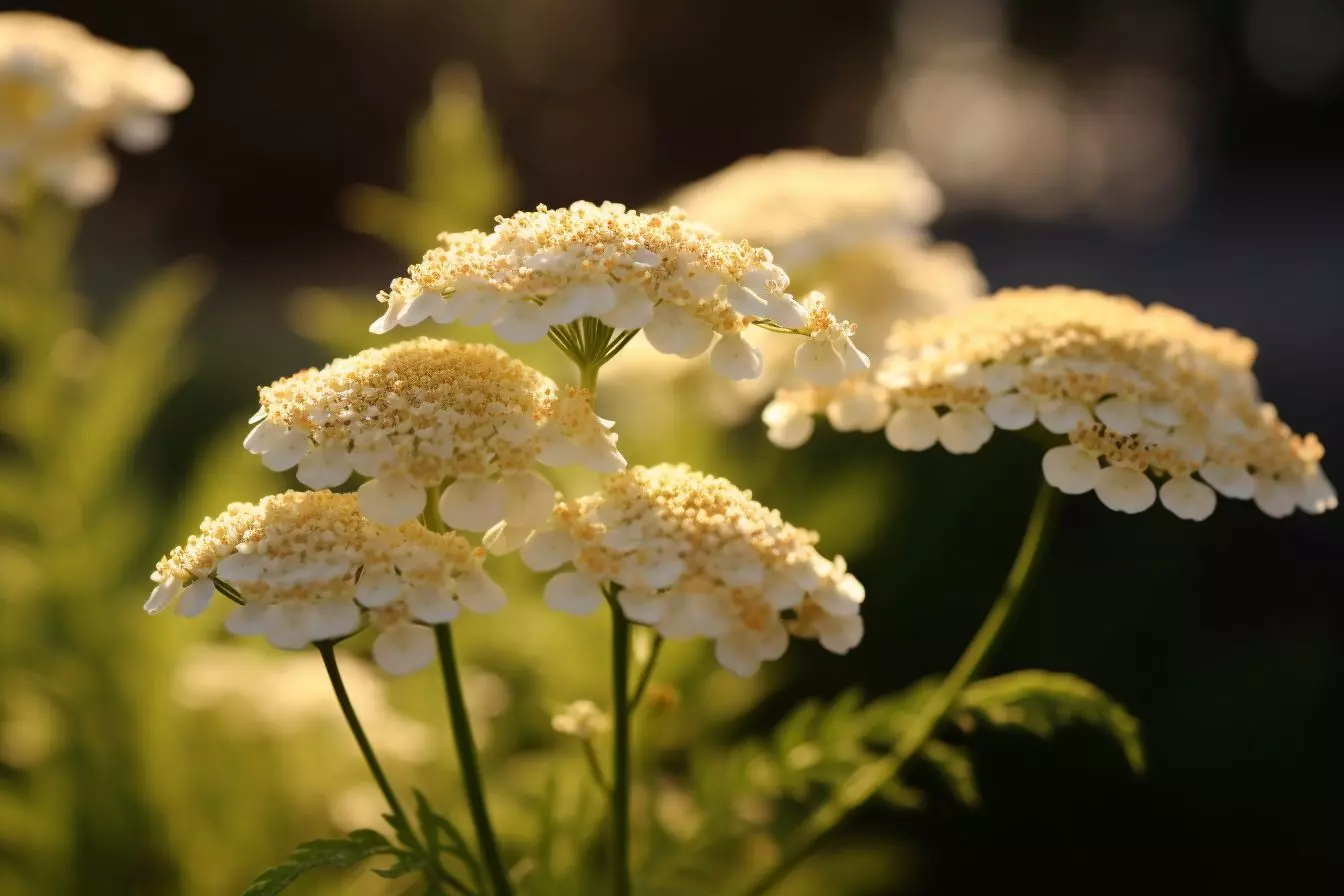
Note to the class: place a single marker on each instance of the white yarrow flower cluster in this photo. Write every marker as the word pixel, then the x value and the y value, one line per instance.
pixel 307 566
pixel 1146 396
pixel 683 284
pixel 62 91
pixel 806 204
pixel 416 414
pixel 694 556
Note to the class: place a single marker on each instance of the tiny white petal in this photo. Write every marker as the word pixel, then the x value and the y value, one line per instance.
pixel 473 505
pixel 1059 417
pixel 864 410
pixel 325 467
pixel 736 358
pixel 503 538
pixel 378 586
pixel 674 331
pixel 522 322
pixel 479 593
pixel 840 635
pixel 249 619
pixel 162 595
pixel 1121 415
pixel 403 649
pixel 287 626
pixel 578 300
pixel 419 309
pixel 391 500
pixel 1000 377
pixel 334 618
pixel 384 323
pixel 287 450
pixel 785 311
pixel 1317 494
pixel 781 592
pixel 817 361
pixel 1011 411
pixel 1227 480
pixel 432 605
pixel 264 436
pixel 964 432
pixel 195 598
pixel 913 429
pixel 633 310
pixel 529 499
pixel 1070 469
pixel 643 605
pixel 573 592
pixel 548 550
pixel 737 652
pixel 248 567
pixel 855 361
pixel 1274 497
pixel 1187 498
pixel 787 425
pixel 1125 490
pixel 479 305
pixel 746 302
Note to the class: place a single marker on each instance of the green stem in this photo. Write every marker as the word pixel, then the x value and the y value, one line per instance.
pixel 867 781
pixel 588 377
pixel 472 782
pixel 403 823
pixel 620 790
pixel 646 675
pixel 590 754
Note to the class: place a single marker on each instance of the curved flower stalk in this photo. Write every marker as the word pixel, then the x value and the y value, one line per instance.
pixel 685 286
pixel 417 413
pixel 306 567
pixel 62 91
pixel 808 204
pixel 1143 395
pixel 694 556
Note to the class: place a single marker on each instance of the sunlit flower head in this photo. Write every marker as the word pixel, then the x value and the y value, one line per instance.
pixel 62 91
pixel 418 413
pixel 694 556
pixel 307 566
pixel 1146 396
pixel 679 281
pixel 804 204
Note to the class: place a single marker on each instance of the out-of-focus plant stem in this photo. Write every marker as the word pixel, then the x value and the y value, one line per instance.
pixel 867 781
pixel 620 760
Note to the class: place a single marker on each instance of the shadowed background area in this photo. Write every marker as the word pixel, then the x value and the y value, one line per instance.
pixel 1179 151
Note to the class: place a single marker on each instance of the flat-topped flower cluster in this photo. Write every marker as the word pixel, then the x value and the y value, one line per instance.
pixel 1143 394
pixel 679 281
pixel 307 566
pixel 694 556
pixel 62 91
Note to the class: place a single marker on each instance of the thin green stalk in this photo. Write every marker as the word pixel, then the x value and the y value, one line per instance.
pixel 867 781
pixel 646 675
pixel 588 377
pixel 620 760
pixel 594 766
pixel 327 649
pixel 472 782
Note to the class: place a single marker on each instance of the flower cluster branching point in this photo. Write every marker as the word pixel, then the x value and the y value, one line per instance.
pixel 416 414
pixel 62 91
pixel 694 556
pixel 308 566
pixel 1155 405
pixel 684 285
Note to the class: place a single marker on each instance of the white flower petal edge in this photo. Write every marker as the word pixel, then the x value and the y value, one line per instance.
pixel 403 649
pixel 573 592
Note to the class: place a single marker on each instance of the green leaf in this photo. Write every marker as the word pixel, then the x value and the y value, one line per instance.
pixel 1040 702
pixel 953 765
pixel 443 837
pixel 349 850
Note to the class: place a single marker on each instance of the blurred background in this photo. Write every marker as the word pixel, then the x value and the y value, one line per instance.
pixel 1179 151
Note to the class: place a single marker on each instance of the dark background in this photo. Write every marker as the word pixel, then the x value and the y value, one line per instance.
pixel 1219 637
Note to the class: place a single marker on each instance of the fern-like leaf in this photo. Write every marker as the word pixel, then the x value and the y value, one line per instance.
pixel 352 849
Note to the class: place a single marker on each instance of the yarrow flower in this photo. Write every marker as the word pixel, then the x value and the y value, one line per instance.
pixel 62 90
pixel 679 281
pixel 805 204
pixel 582 719
pixel 418 413
pixel 307 566
pixel 1145 395
pixel 694 556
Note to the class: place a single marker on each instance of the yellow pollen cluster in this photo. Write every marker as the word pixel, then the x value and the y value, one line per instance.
pixel 805 204
pixel 1150 391
pixel 62 90
pixel 695 556
pixel 415 414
